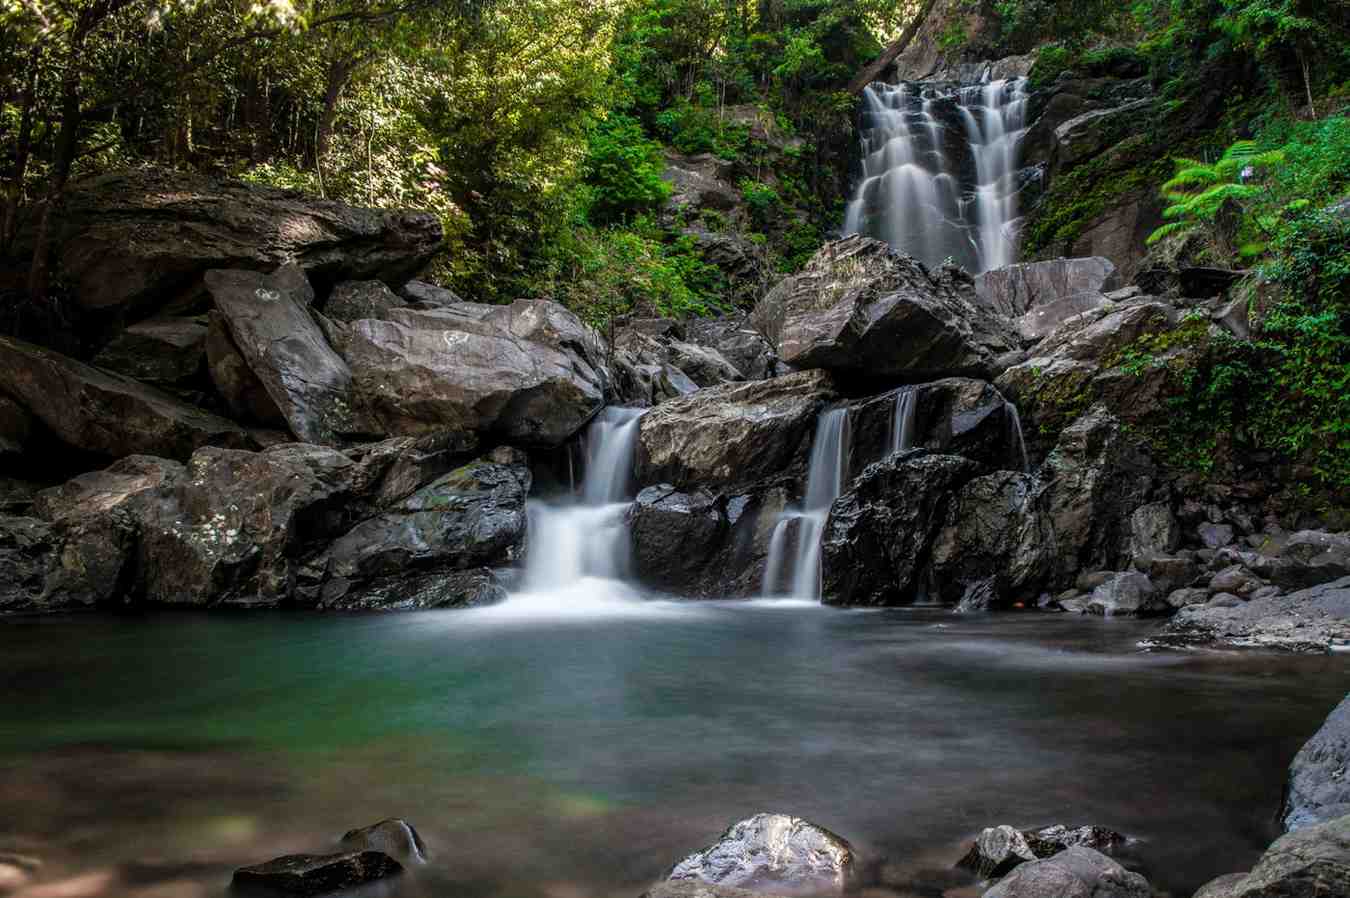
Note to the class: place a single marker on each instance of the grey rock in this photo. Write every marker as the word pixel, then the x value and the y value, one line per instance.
pixel 737 342
pixel 1310 620
pixel 768 851
pixel 1076 873
pixel 858 307
pixel 316 874
pixel 1180 598
pixel 1318 788
pixel 395 837
pixel 1215 536
pixel 1221 886
pixel 16 427
pixel 105 413
pixel 1129 594
pixel 27 547
pixel 1235 579
pixel 997 850
pixel 352 300
pixel 674 534
pixel 1310 862
pixel 1015 290
pixel 736 433
pixel 1224 600
pixel 997 533
pixel 422 295
pixel 1171 574
pixel 692 888
pixel 268 317
pixel 1154 531
pixel 414 590
pixel 163 351
pixel 1089 134
pixel 186 225
pixel 243 392
pixel 1304 559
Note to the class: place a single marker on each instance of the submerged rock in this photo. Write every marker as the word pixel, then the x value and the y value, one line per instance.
pixel 1318 789
pixel 1078 872
pixel 1128 594
pixel 1311 620
pixel 773 851
pixel 860 308
pixel 315 874
pixel 395 837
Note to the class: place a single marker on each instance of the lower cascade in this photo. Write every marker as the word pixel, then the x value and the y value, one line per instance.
pixel 793 565
pixel 579 550
pixel 938 171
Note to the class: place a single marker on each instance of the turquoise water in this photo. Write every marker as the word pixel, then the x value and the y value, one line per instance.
pixel 566 756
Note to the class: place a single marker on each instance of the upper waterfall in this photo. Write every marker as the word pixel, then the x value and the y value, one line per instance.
pixel 939 171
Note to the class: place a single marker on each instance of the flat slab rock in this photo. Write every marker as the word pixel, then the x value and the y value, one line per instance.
pixel 315 874
pixel 1315 620
pixel 773 852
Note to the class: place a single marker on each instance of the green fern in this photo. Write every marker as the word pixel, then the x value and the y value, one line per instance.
pixel 1198 190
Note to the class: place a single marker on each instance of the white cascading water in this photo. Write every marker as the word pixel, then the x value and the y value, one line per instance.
pixel 932 191
pixel 578 552
pixel 793 565
pixel 1016 421
pixel 902 422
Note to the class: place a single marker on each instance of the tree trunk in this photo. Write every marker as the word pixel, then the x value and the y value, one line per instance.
pixel 67 146
pixel 1307 82
pixel 9 223
pixel 873 71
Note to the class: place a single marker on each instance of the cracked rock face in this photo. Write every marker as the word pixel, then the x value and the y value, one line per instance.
pixel 773 852
pixel 1319 777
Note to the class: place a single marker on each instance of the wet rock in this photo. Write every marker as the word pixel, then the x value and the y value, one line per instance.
pixel 414 590
pixel 641 383
pixel 244 393
pixel 953 416
pixel 1017 289
pixel 692 888
pixel 1180 598
pixel 997 531
pixel 395 837
pixel 1087 135
pixel 353 300
pixel 1153 531
pixel 997 850
pixel 268 317
pixel 1311 862
pixel 105 413
pixel 26 552
pixel 860 308
pixel 1224 600
pixel 315 874
pixel 880 534
pixel 737 342
pixel 1076 873
pixel 1221 886
pixel 470 517
pixel 1318 789
pixel 1311 620
pixel 1235 579
pixel 1170 573
pixel 186 225
pixel 422 295
pixel 530 372
pixel 771 851
pixel 674 534
pixel 737 433
pixel 166 352
pixel 1130 594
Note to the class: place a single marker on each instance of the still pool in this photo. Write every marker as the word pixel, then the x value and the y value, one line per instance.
pixel 553 754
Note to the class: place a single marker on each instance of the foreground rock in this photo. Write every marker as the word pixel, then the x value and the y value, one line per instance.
pixel 773 851
pixel 186 225
pixel 1319 789
pixel 731 434
pixel 268 317
pixel 1312 620
pixel 1312 862
pixel 692 888
pixel 315 874
pixel 166 352
pixel 860 308
pixel 530 372
pixel 997 850
pixel 103 413
pixel 1076 873
pixel 395 837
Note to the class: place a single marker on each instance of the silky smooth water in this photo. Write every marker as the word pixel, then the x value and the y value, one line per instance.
pixel 561 757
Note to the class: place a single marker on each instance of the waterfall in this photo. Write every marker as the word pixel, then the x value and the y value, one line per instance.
pixel 939 171
pixel 1015 422
pixel 793 565
pixel 583 547
pixel 902 423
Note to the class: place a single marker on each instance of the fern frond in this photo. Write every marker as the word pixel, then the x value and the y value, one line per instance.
pixel 1167 230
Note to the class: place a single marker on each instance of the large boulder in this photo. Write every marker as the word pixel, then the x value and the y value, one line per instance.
pixel 773 852
pixel 998 849
pixel 1318 789
pixel 1313 620
pixel 103 413
pixel 954 416
pixel 530 372
pixel 317 874
pixel 737 342
pixel 879 537
pixel 733 434
pixel 185 225
pixel 1303 559
pixel 269 319
pixel 353 300
pixel 395 837
pixel 1076 873
pixel 675 534
pixel 243 392
pixel 26 553
pixel 861 308
pixel 1041 296
pixel 997 531
pixel 1311 862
